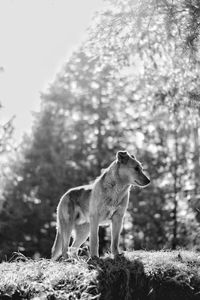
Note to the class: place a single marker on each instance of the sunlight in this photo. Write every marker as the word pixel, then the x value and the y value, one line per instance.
pixel 39 35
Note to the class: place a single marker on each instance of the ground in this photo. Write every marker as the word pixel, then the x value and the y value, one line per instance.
pixel 136 275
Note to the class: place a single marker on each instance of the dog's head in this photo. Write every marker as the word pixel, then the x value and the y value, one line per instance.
pixel 130 169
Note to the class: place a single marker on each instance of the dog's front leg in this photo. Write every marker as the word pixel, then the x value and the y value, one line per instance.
pixel 94 235
pixel 115 231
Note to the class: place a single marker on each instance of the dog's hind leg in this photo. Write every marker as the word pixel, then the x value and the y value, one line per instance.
pixel 81 235
pixel 56 251
pixel 66 215
pixel 65 238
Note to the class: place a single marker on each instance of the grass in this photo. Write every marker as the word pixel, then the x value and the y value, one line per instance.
pixel 138 275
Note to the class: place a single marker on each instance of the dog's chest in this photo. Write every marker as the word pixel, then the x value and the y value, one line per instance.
pixel 112 201
pixel 113 197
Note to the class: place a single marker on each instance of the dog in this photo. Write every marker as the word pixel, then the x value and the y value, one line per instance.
pixel 83 209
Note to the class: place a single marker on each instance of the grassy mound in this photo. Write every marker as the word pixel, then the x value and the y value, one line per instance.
pixel 137 275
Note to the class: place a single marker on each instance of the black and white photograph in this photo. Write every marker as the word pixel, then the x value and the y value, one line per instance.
pixel 100 149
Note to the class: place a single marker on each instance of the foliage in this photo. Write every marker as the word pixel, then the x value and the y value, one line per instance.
pixel 163 81
pixel 6 147
pixel 180 21
pixel 6 131
pixel 139 274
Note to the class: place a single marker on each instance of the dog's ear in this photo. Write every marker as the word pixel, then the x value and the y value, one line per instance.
pixel 122 157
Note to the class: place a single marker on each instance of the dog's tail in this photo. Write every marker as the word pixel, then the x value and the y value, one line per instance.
pixel 56 250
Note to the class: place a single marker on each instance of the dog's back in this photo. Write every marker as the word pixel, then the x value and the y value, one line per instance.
pixel 76 200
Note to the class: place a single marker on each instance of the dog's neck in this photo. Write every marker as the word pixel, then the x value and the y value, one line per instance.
pixel 113 180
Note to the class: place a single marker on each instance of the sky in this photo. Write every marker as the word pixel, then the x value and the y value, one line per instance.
pixel 36 37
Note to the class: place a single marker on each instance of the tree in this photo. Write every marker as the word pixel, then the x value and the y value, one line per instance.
pixel 75 135
pixel 107 97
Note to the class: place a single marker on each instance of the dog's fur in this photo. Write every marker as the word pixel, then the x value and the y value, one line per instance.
pixel 84 208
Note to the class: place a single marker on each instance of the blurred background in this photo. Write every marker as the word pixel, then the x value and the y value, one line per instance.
pixel 79 82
